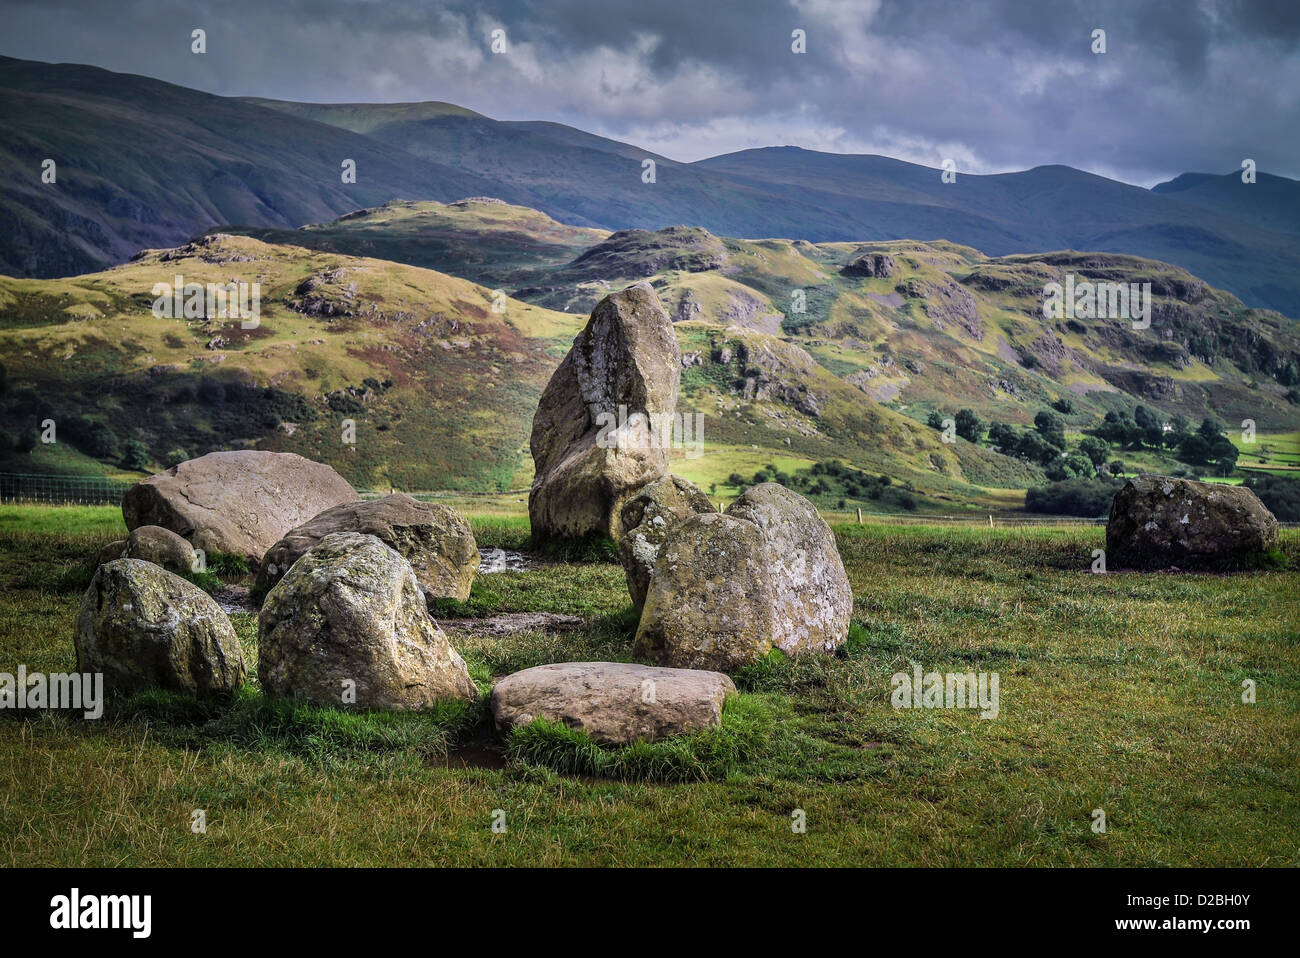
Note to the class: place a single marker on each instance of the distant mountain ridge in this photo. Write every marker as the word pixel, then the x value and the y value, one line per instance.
pixel 143 163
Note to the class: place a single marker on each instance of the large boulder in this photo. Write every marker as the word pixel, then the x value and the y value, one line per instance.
pixel 710 602
pixel 143 627
pixel 811 595
pixel 348 625
pixel 433 538
pixel 161 547
pixel 599 432
pixel 1157 522
pixel 647 516
pixel 871 265
pixel 236 502
pixel 728 588
pixel 614 702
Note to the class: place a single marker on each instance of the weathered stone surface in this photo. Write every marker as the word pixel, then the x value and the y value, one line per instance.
pixel 1157 522
pixel 161 547
pixel 613 702
pixel 710 602
pixel 647 516
pixel 728 588
pixel 812 598
pixel 144 627
pixel 236 502
pixel 433 538
pixel 871 265
pixel 350 611
pixel 598 432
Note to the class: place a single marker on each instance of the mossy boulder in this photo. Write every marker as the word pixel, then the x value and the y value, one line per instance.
pixel 347 625
pixel 647 516
pixel 435 539
pixel 728 588
pixel 1158 522
pixel 145 627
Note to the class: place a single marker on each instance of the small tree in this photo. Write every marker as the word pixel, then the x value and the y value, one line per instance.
pixel 969 426
pixel 175 457
pixel 136 456
pixel 1117 467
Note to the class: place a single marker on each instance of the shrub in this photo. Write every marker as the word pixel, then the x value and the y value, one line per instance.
pixel 1088 498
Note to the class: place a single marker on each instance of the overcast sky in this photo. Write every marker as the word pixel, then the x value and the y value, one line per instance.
pixel 994 84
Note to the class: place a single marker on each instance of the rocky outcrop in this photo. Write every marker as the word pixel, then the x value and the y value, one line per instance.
pixel 1157 522
pixel 728 588
pixel 614 702
pixel 871 265
pixel 437 542
pixel 598 432
pixel 647 517
pixel 347 625
pixel 161 547
pixel 144 627
pixel 236 502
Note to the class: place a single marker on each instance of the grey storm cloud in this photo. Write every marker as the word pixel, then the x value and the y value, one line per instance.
pixel 997 85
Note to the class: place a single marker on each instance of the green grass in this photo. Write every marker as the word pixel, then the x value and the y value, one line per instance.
pixel 1120 692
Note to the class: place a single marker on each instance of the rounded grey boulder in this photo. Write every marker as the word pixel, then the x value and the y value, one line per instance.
pixel 236 502
pixel 437 542
pixel 143 627
pixel 161 547
pixel 1157 522
pixel 614 702
pixel 347 625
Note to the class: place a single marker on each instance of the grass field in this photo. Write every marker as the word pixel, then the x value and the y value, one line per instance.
pixel 1118 692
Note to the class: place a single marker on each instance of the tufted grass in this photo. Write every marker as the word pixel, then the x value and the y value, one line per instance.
pixel 1120 692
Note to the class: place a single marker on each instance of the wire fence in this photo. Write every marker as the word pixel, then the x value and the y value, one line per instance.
pixel 61 490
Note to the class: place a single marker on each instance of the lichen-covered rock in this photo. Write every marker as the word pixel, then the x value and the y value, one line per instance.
pixel 647 516
pixel 728 588
pixel 811 595
pixel 236 502
pixel 1157 522
pixel 598 432
pixel 710 603
pixel 616 703
pixel 161 547
pixel 144 627
pixel 433 538
pixel 348 625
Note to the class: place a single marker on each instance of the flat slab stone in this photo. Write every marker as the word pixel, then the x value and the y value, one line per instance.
pixel 614 702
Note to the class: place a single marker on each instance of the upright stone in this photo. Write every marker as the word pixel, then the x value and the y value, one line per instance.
pixel 602 426
pixel 646 518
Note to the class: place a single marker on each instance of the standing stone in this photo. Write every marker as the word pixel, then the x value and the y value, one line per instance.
pixel 1157 522
pixel 812 600
pixel 603 424
pixel 161 547
pixel 437 542
pixel 144 627
pixel 349 619
pixel 616 703
pixel 236 502
pixel 728 588
pixel 646 518
pixel 710 602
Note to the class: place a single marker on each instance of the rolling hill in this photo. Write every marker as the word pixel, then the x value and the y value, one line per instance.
pixel 144 164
